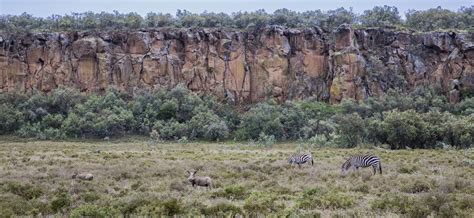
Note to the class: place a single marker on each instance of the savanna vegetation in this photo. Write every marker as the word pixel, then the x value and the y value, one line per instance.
pixel 139 145
pixel 421 119
pixel 141 177
pixel 380 16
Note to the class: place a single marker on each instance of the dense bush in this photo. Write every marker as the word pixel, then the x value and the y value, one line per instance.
pixel 379 16
pixel 324 199
pixel 10 118
pixel 26 191
pixel 439 18
pixel 222 209
pixel 403 204
pixel 350 128
pixel 422 130
pixel 263 118
pixel 420 119
pixel 261 203
pixel 90 210
pixel 428 20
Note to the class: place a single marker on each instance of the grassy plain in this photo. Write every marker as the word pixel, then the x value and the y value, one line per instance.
pixel 135 177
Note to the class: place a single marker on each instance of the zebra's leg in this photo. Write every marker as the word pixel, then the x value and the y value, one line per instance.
pixel 299 165
pixel 374 167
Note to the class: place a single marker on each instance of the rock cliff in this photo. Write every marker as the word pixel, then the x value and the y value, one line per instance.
pixel 240 65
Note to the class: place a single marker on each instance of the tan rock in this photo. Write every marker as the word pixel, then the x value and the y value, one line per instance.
pixel 249 66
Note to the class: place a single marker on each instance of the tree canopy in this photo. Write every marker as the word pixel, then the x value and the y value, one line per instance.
pixel 379 16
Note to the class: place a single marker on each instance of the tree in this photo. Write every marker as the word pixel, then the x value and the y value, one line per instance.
pixel 133 20
pixel 340 16
pixel 257 19
pixel 286 17
pixel 405 129
pixel 381 16
pixel 438 18
pixel 350 128
pixel 158 20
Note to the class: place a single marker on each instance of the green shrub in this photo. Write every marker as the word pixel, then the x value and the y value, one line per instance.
pixel 183 140
pixel 30 130
pixel 415 186
pixel 436 201
pixel 62 99
pixel 364 188
pixel 461 132
pixel 401 204
pixel 60 201
pixel 232 192
pixel 172 207
pixel 325 199
pixel 263 118
pixel 26 191
pixel 168 110
pixel 90 210
pixel 106 115
pixel 404 129
pixel 222 209
pixel 420 119
pixel 261 203
pixel 14 206
pixel 293 119
pixel 168 207
pixel 408 169
pixel 52 121
pixel 350 128
pixel 216 131
pixel 380 16
pixel 11 118
pixel 91 196
pixel 465 202
pixel 466 106
pixel 200 123
pixel 138 204
pixel 266 140
pixel 317 141
pixel 173 130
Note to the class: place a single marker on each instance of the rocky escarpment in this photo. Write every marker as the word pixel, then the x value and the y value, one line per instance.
pixel 242 66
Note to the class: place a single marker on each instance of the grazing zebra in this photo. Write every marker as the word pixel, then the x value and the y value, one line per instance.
pixel 300 159
pixel 357 161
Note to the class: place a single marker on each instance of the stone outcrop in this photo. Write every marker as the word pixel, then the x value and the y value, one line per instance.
pixel 242 66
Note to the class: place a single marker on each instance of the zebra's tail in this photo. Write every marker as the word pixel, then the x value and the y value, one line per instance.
pixel 380 167
pixel 312 162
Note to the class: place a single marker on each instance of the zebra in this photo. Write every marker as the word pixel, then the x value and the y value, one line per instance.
pixel 357 161
pixel 301 159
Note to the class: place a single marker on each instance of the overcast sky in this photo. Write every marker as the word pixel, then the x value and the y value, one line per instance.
pixel 45 8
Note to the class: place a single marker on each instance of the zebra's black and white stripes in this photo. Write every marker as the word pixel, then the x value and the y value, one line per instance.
pixel 357 161
pixel 301 159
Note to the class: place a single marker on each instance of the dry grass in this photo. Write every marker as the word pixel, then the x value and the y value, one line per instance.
pixel 135 178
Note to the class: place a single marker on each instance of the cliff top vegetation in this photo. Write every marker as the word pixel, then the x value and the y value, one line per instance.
pixel 380 16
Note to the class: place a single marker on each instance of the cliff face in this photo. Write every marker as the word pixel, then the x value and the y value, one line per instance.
pixel 242 66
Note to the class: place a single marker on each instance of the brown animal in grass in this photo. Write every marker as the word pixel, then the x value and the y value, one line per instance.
pixel 199 181
pixel 83 176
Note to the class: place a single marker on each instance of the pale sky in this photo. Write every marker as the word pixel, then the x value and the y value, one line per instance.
pixel 44 8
